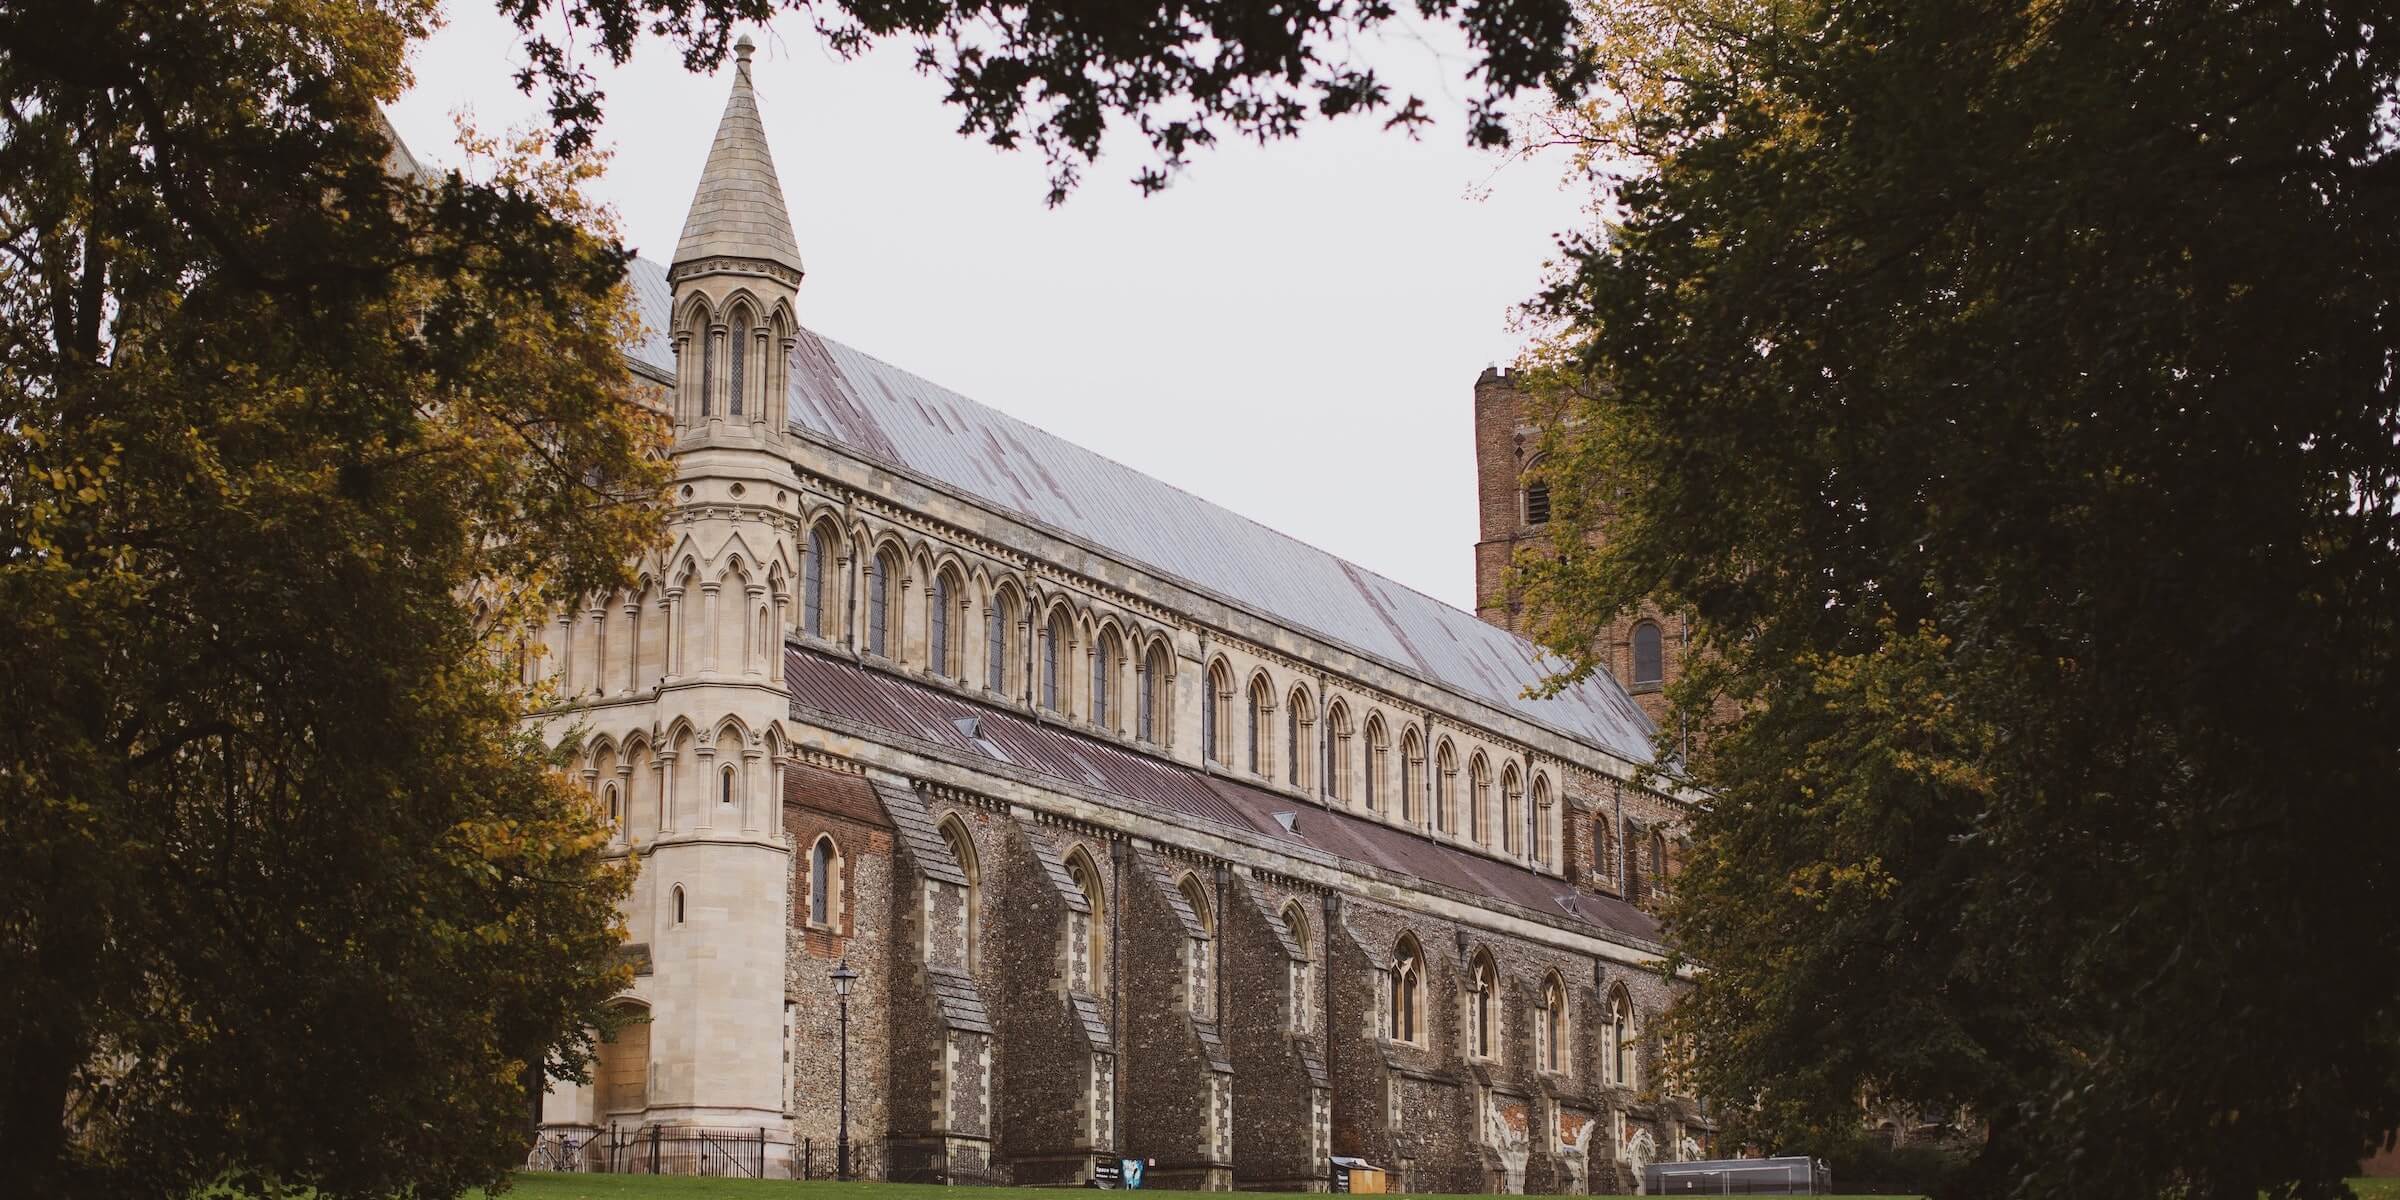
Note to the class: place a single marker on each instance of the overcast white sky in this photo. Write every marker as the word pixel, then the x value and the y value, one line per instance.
pixel 1293 332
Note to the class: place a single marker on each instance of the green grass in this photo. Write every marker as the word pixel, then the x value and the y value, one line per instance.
pixel 546 1185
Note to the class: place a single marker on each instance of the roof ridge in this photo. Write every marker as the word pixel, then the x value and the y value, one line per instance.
pixel 1004 414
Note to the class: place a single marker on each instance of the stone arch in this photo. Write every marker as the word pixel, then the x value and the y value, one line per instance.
pixel 742 368
pixel 970 864
pixel 1104 691
pixel 1083 872
pixel 1216 712
pixel 1619 1038
pixel 1055 673
pixel 1479 789
pixel 1154 701
pixel 1404 1013
pixel 820 578
pixel 946 618
pixel 828 875
pixel 1445 786
pixel 1512 816
pixel 1299 733
pixel 1261 698
pixel 1374 762
pixel 1543 811
pixel 1552 1053
pixel 1334 739
pixel 1648 644
pixel 1300 979
pixel 621 1070
pixel 886 579
pixel 1484 1009
pixel 1003 610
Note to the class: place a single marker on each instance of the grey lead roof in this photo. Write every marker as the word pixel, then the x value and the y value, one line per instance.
pixel 884 413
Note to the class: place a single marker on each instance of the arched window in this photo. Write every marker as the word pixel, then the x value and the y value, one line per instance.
pixel 996 640
pixel 883 573
pixel 1054 651
pixel 1541 819
pixel 1554 1024
pixel 1154 708
pixel 708 368
pixel 962 848
pixel 812 585
pixel 1371 782
pixel 1196 896
pixel 1299 980
pixel 1618 1034
pixel 1658 858
pixel 1512 814
pixel 1104 677
pixel 738 378
pixel 1408 992
pixel 937 626
pixel 725 787
pixel 1649 654
pixel 1337 749
pixel 1537 503
pixel 1086 877
pixel 616 810
pixel 1297 727
pixel 1485 1006
pixel 1445 785
pixel 824 883
pixel 1634 875
pixel 1262 702
pixel 1604 863
pixel 1412 774
pixel 1213 715
pixel 678 902
pixel 1479 790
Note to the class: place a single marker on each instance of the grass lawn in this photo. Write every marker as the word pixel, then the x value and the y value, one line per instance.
pixel 546 1185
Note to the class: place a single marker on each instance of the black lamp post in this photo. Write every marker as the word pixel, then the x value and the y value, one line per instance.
pixel 843 976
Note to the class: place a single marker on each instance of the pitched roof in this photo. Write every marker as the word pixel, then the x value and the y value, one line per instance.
pixel 737 212
pixel 881 412
pixel 839 688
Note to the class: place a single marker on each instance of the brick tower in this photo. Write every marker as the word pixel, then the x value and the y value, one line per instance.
pixel 1644 649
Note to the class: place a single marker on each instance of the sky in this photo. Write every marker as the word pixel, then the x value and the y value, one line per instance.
pixel 1291 331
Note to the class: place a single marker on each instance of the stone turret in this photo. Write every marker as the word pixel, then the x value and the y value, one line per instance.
pixel 736 275
pixel 719 872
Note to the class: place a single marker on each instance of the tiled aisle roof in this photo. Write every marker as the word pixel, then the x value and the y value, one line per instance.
pixel 882 412
pixel 881 700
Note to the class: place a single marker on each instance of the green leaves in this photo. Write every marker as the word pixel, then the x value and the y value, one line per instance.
pixel 2005 390
pixel 286 894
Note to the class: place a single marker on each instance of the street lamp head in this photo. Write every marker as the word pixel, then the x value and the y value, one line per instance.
pixel 842 978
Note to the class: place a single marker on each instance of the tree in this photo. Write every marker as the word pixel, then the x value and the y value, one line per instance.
pixel 2007 390
pixel 296 443
pixel 1057 74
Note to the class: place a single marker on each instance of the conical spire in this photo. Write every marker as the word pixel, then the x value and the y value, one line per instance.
pixel 738 210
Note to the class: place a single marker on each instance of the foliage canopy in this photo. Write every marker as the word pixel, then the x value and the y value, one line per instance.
pixel 1058 74
pixel 2007 391
pixel 292 443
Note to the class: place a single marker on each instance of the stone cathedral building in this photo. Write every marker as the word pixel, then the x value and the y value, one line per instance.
pixel 1148 830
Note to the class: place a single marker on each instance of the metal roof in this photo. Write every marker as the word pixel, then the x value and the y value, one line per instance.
pixel 837 687
pixel 882 412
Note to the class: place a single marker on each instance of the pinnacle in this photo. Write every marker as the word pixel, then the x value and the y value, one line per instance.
pixel 738 212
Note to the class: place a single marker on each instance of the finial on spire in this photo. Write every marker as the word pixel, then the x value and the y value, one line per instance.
pixel 737 211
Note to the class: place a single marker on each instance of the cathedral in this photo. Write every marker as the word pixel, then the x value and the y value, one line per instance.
pixel 1135 832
